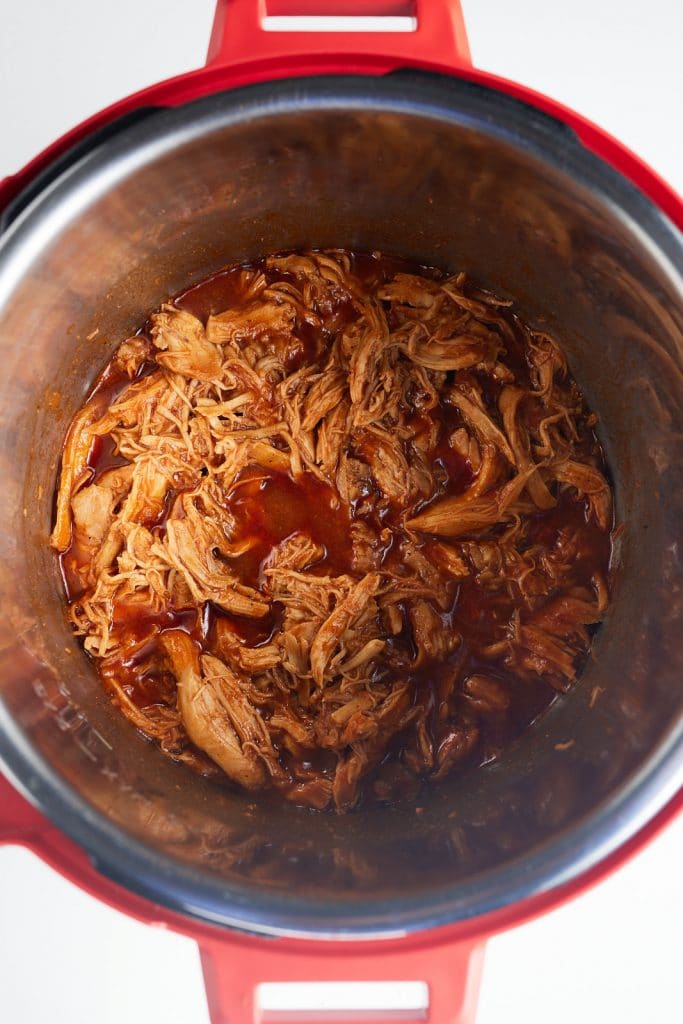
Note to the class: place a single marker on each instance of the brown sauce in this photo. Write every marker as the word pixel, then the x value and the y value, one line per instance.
pixel 214 294
pixel 103 457
pixel 272 506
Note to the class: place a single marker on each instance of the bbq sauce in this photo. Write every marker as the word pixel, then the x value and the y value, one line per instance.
pixel 273 506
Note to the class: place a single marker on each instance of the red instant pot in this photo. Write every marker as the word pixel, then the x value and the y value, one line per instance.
pixel 370 141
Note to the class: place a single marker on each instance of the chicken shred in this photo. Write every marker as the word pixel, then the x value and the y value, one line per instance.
pixel 354 515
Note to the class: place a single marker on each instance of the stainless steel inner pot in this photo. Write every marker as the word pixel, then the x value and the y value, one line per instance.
pixel 443 172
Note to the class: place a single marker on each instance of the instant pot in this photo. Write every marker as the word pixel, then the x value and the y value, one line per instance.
pixel 388 141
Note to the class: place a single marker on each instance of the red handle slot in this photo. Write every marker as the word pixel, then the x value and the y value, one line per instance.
pixel 251 30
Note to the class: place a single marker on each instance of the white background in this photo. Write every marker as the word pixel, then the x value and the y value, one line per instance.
pixel 614 954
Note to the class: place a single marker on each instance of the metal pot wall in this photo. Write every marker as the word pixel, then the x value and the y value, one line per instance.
pixel 392 143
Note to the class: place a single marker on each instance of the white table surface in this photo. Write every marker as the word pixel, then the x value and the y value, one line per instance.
pixel 615 953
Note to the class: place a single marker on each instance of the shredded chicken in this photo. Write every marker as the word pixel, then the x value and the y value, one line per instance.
pixel 351 526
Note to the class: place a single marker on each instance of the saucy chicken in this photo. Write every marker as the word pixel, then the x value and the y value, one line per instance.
pixel 335 525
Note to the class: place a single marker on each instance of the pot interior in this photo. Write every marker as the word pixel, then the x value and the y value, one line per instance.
pixel 442 173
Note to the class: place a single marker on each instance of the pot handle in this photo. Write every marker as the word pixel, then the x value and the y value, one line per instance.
pixel 434 984
pixel 254 30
